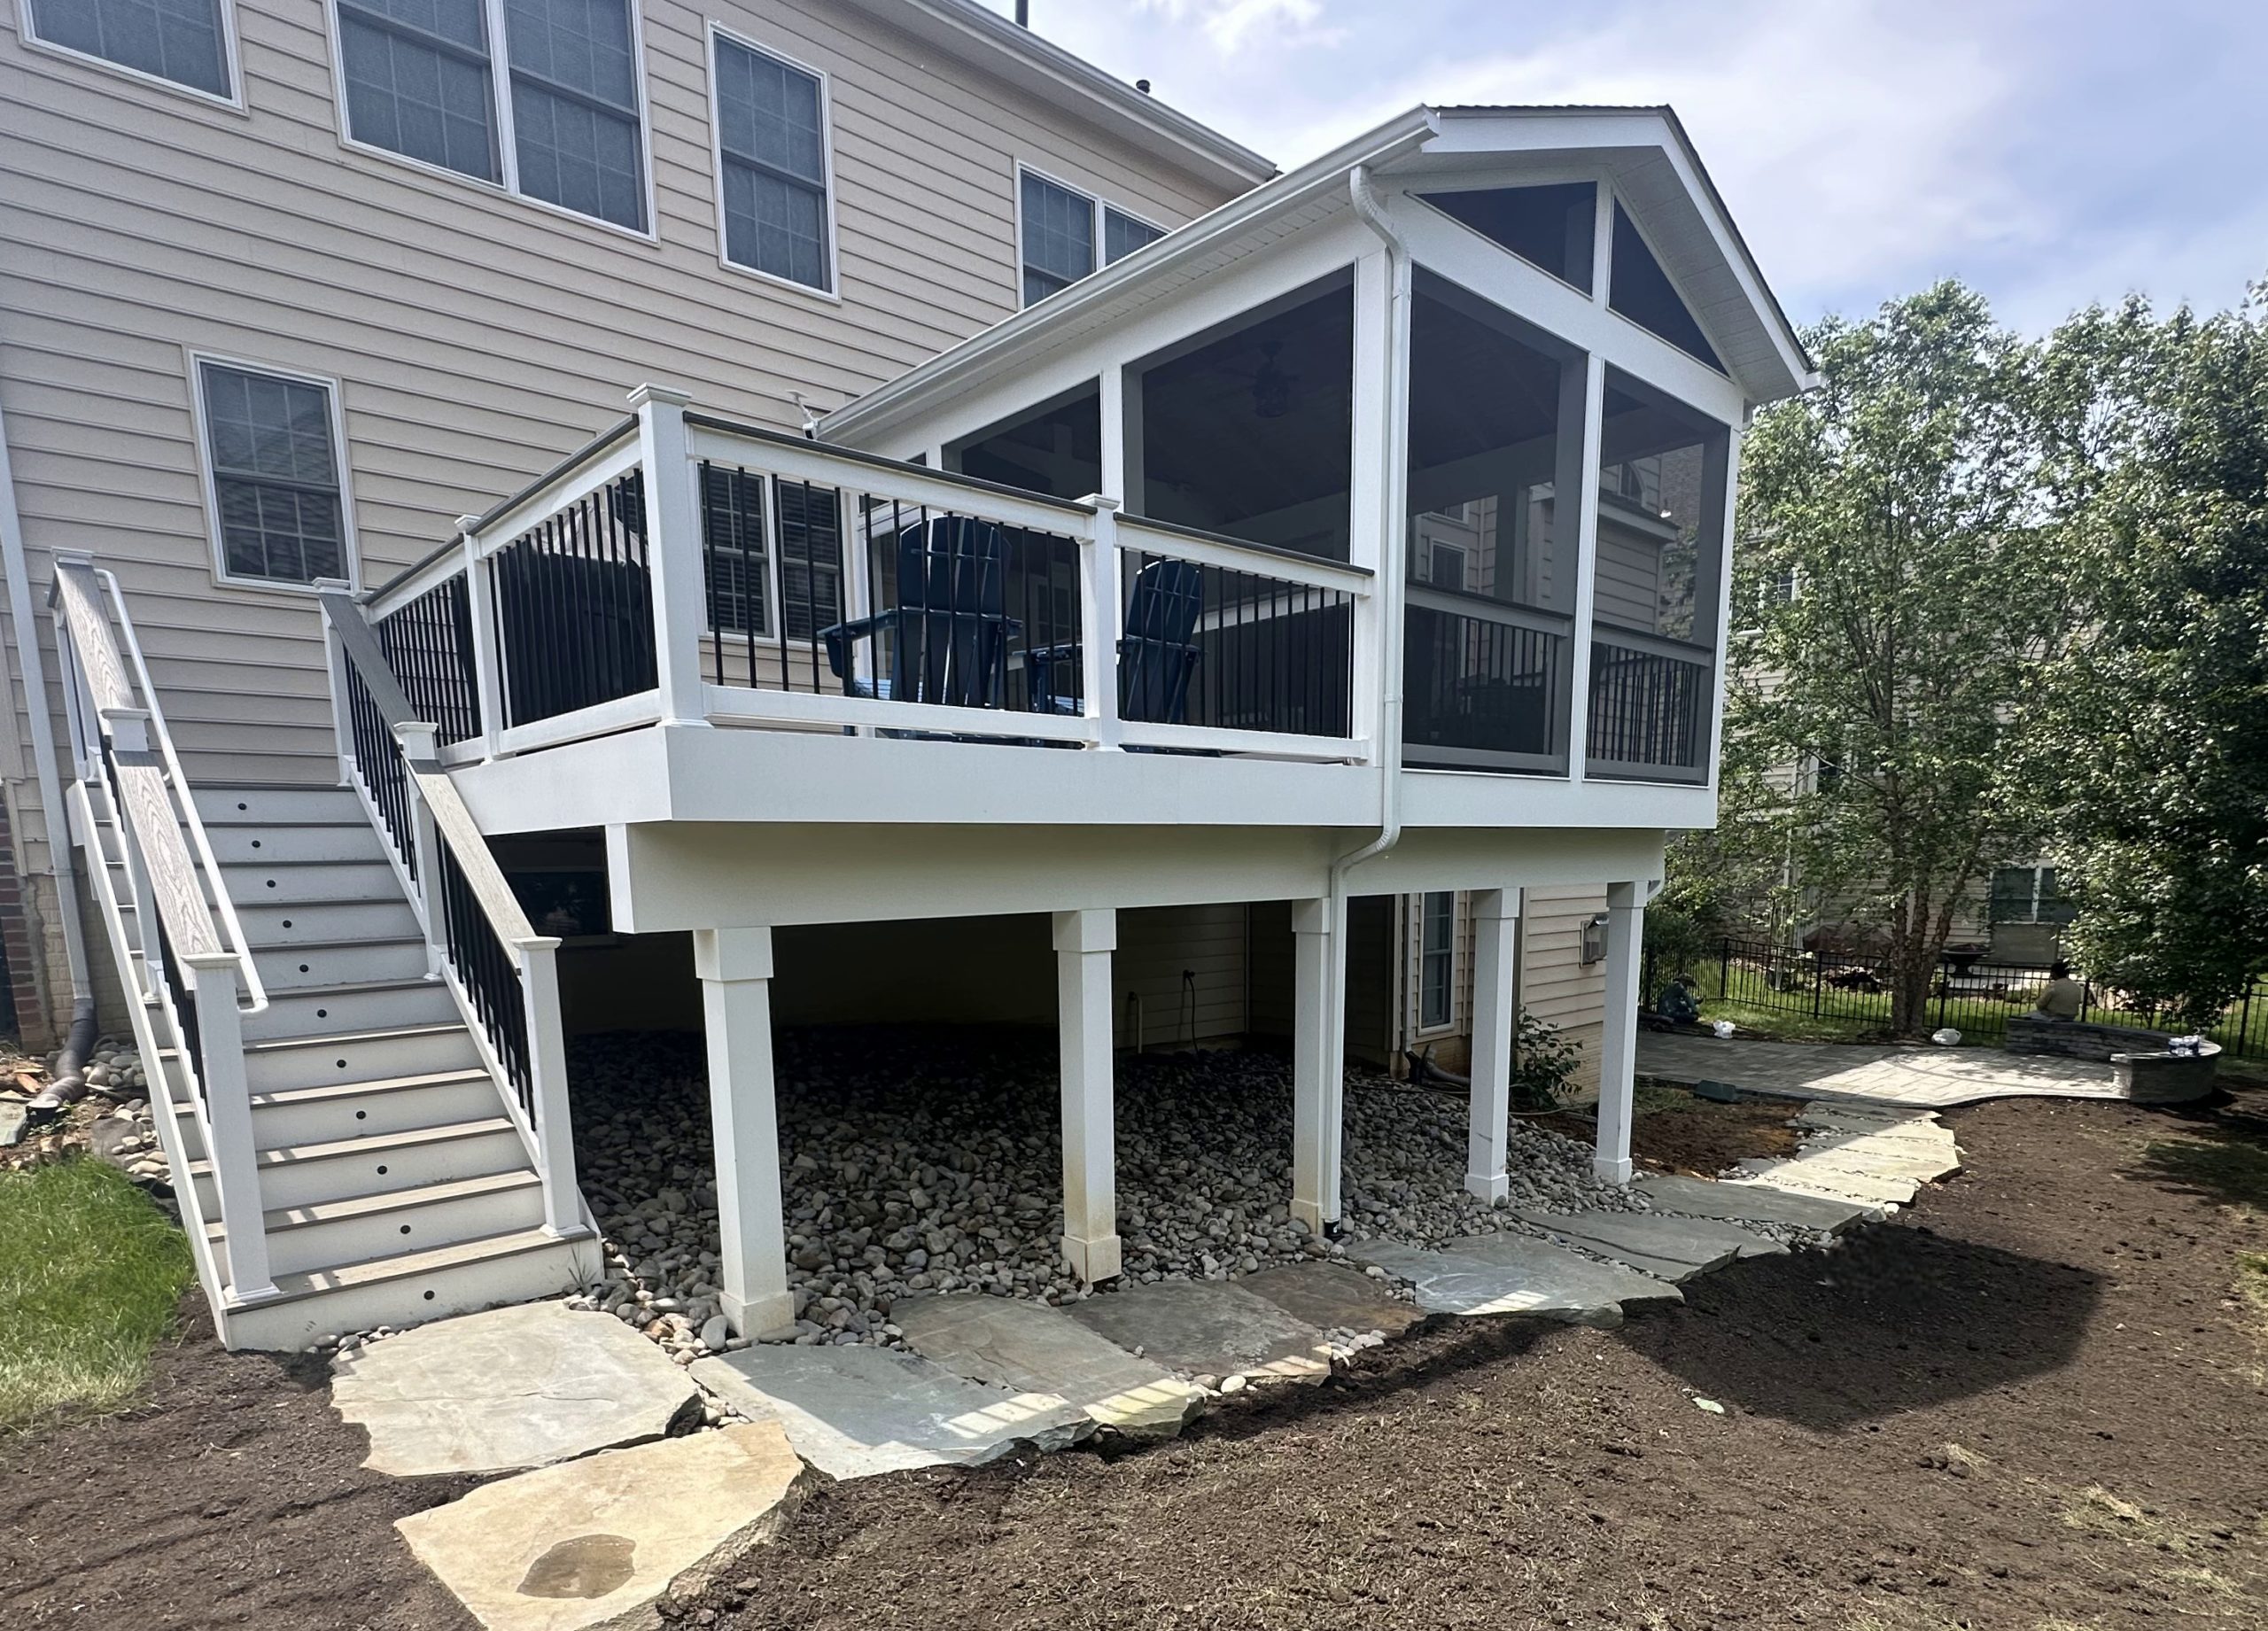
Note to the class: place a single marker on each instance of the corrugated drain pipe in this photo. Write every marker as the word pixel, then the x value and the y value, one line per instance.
pixel 67 1083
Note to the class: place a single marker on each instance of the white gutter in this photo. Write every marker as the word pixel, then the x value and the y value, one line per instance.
pixel 1393 525
pixel 33 668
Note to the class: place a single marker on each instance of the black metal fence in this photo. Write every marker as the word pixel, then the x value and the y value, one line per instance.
pixel 1649 710
pixel 1967 994
pixel 1263 652
pixel 574 606
pixel 428 644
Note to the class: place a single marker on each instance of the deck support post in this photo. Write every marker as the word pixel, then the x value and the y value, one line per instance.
pixel 1318 1059
pixel 735 966
pixel 1496 1012
pixel 1618 1045
pixel 1083 943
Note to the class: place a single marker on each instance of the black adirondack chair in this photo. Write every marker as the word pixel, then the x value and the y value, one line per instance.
pixel 946 641
pixel 1157 656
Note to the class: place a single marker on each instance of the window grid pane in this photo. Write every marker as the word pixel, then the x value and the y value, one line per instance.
pixel 575 156
pixel 414 99
pixel 1058 229
pixel 176 40
pixel 275 476
pixel 1122 235
pixel 770 133
pixel 1436 958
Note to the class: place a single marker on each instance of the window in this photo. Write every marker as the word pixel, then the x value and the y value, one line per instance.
pixel 1060 227
pixel 772 165
pixel 1436 961
pixel 740 588
pixel 182 41
pixel 2029 895
pixel 419 81
pixel 1122 235
pixel 271 455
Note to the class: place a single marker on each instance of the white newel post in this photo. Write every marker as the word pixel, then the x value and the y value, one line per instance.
pixel 228 1119
pixel 555 1125
pixel 1618 1047
pixel 334 665
pixel 673 551
pixel 1495 1012
pixel 1103 614
pixel 735 969
pixel 1083 943
pixel 1318 1059
pixel 487 663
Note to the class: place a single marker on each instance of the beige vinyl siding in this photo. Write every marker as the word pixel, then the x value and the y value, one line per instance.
pixel 1628 589
pixel 477 337
pixel 1555 984
pixel 1157 946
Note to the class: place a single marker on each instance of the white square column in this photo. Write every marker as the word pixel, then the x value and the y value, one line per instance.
pixel 1318 1059
pixel 735 969
pixel 1495 1012
pixel 1084 943
pixel 1618 1045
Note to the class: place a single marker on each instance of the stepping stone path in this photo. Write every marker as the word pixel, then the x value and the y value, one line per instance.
pixel 1332 1298
pixel 1755 1203
pixel 511 1388
pixel 1037 1349
pixel 589 1543
pixel 1516 1274
pixel 1670 1248
pixel 1208 1328
pixel 853 1411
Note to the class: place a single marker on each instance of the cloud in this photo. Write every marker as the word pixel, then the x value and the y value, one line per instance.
pixel 1231 25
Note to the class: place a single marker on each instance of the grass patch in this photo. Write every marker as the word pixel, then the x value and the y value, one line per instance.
pixel 89 1280
pixel 2095 1510
pixel 1790 1027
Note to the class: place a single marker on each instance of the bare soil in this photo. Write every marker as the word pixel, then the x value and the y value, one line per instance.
pixel 2037 1404
pixel 1673 1131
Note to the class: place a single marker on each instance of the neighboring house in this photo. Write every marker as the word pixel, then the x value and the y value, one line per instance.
pixel 1018 598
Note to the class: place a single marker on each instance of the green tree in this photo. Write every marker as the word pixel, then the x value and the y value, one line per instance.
pixel 2150 752
pixel 1897 598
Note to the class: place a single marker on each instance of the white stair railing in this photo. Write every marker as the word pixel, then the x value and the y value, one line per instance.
pixel 192 976
pixel 504 976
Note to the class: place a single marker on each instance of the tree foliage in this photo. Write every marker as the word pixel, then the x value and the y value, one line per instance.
pixel 1899 591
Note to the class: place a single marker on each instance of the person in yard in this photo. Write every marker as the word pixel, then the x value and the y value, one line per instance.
pixel 1681 1001
pixel 2064 995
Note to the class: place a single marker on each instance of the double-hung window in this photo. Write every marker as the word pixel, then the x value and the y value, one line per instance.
pixel 1437 961
pixel 422 80
pixel 272 468
pixel 772 168
pixel 182 41
pixel 1061 230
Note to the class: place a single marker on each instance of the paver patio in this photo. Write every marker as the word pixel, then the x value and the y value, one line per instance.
pixel 1932 1077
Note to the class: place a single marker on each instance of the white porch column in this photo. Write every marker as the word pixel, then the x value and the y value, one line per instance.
pixel 1084 943
pixel 1495 1012
pixel 735 969
pixel 1618 1045
pixel 1318 1058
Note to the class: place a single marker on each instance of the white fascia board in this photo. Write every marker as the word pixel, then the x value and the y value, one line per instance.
pixel 1481 858
pixel 600 782
pixel 1031 331
pixel 976 34
pixel 1449 798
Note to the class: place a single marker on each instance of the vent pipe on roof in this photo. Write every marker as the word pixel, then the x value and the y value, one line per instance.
pixel 1023 13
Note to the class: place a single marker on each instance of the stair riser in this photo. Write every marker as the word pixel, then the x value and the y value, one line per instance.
pixel 265 885
pixel 316 1065
pixel 372 1114
pixel 458 1290
pixel 276 806
pixel 252 845
pixel 290 968
pixel 346 1176
pixel 269 924
pixel 320 1013
pixel 411 1229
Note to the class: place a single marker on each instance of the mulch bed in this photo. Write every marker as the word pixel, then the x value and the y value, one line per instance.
pixel 2035 1403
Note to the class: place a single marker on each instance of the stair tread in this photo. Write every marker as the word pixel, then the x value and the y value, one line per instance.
pixel 293 948
pixel 371 1144
pixel 357 987
pixel 279 1218
pixel 377 1270
pixel 323 1092
pixel 276 1044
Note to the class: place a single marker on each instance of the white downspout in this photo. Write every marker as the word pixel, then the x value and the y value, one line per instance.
pixel 57 816
pixel 1393 528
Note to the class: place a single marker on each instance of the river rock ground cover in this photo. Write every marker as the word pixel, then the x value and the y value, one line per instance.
pixel 918 1160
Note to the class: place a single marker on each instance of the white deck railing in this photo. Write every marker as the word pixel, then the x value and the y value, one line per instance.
pixel 687 568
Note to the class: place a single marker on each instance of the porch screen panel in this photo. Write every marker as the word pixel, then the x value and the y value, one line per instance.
pixel 177 40
pixel 770 136
pixel 417 81
pixel 575 114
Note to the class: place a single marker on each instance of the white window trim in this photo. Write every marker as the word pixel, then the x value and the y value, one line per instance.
pixel 499 107
pixel 833 293
pixel 1096 206
pixel 1419 1028
pixel 343 468
pixel 234 102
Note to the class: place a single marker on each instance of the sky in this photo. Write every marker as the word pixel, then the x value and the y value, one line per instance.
pixel 2051 153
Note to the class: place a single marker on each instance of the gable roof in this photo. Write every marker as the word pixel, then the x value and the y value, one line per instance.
pixel 1645 148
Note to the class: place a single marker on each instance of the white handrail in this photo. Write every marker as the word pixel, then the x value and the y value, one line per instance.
pixel 223 907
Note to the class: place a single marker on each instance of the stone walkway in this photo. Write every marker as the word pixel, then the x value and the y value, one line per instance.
pixel 614 1516
pixel 1934 1077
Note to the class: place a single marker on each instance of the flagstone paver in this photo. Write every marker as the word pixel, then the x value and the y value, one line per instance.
pixel 1034 1348
pixel 1517 1274
pixel 1657 1242
pixel 1754 1202
pixel 1332 1297
pixel 1208 1328
pixel 1910 1077
pixel 511 1388
pixel 1819 1178
pixel 593 1542
pixel 853 1411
